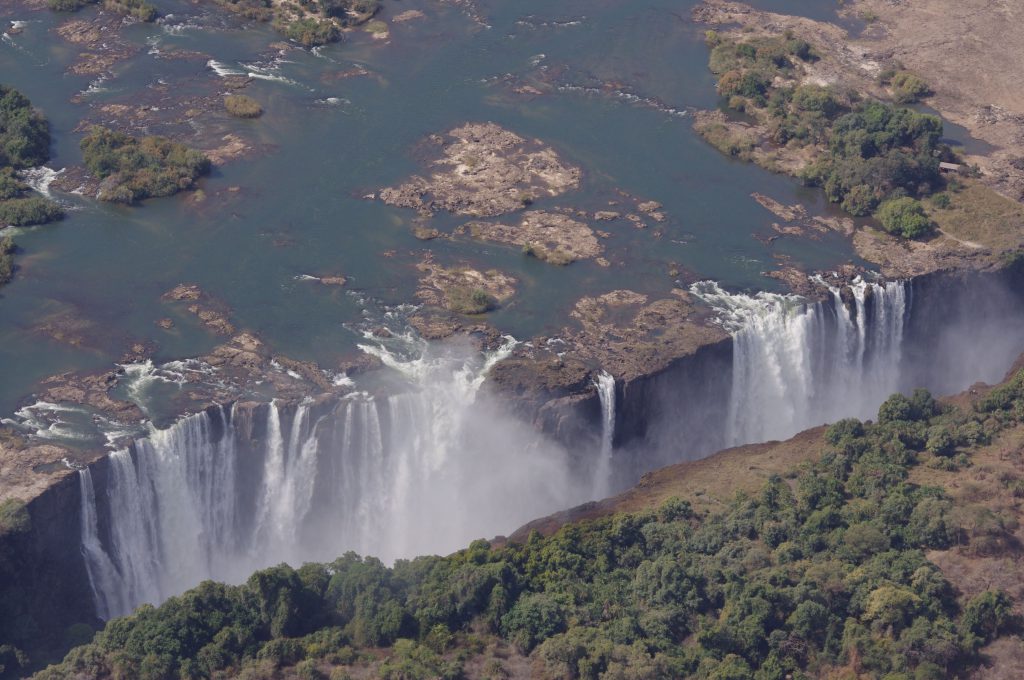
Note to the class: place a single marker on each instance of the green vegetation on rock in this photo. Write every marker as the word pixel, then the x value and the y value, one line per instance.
pixel 69 5
pixel 310 31
pixel 860 152
pixel 821 571
pixel 134 169
pixel 24 143
pixel 138 9
pixel 14 516
pixel 308 22
pixel 242 106
pixel 28 211
pixel 466 300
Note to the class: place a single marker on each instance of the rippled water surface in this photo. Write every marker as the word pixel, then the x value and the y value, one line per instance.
pixel 620 78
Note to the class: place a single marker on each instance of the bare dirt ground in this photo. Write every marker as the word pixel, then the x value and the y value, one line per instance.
pixel 971 53
pixel 972 56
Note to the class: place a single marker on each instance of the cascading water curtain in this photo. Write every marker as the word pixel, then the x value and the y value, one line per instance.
pixel 798 364
pixel 422 471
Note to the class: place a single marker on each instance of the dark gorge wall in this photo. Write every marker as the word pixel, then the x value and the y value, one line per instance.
pixel 44 589
pixel 963 327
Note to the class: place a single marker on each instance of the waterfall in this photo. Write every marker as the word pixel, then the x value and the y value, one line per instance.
pixel 797 364
pixel 605 385
pixel 99 568
pixel 424 468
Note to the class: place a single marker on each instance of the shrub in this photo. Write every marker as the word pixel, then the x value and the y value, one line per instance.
pixel 19 208
pixel 534 618
pixel 908 88
pixel 466 300
pixel 860 201
pixel 68 5
pixel 941 200
pixel 24 212
pixel 140 9
pixel 904 217
pixel 986 614
pixel 311 32
pixel 134 169
pixel 242 106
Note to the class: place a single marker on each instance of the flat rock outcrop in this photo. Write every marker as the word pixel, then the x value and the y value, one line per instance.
pixel 463 290
pixel 484 170
pixel 630 335
pixel 548 236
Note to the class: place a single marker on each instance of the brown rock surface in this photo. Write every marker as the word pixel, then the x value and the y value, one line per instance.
pixel 629 335
pixel 444 286
pixel 484 170
pixel 549 236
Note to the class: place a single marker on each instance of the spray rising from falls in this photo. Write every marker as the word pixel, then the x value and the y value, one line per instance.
pixel 798 364
pixel 423 469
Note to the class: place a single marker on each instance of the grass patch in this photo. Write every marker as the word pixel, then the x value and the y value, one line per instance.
pixel 467 300
pixel 377 27
pixel 727 141
pixel 557 255
pixel 978 214
pixel 242 106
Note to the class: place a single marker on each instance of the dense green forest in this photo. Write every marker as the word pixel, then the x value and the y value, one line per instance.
pixel 134 169
pixel 868 153
pixel 824 568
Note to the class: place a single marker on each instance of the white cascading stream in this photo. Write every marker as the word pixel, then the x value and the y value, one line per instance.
pixel 424 470
pixel 102 573
pixel 798 364
pixel 605 384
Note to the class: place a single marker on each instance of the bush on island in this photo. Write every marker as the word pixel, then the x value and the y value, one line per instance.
pixel 133 169
pixel 242 106
pixel 904 217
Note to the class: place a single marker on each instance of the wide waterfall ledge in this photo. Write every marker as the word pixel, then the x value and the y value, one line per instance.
pixel 430 466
